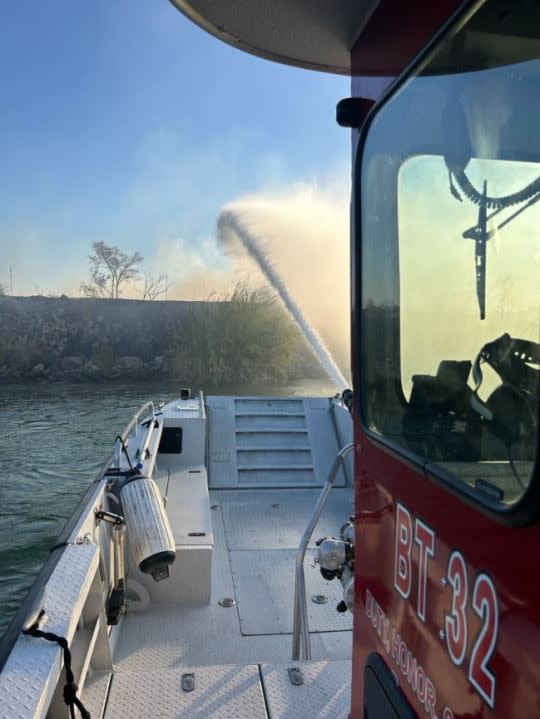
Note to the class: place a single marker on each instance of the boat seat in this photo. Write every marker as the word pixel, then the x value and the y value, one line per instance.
pixel 188 507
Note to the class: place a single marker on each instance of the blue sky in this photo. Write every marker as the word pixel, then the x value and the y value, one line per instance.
pixel 122 121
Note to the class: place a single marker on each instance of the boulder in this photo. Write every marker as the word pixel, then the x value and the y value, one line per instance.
pixel 91 370
pixel 156 364
pixel 71 363
pixel 130 366
pixel 37 370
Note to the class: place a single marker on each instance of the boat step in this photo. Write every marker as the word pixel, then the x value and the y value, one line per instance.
pixel 269 403
pixel 272 420
pixel 285 430
pixel 255 477
pixel 263 413
pixel 274 448
pixel 276 467
pixel 272 441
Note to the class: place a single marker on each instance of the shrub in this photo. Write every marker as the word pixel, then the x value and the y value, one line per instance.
pixel 241 337
pixel 103 356
pixel 5 348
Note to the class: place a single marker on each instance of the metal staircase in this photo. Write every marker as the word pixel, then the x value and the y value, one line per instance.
pixel 284 456
pixel 270 441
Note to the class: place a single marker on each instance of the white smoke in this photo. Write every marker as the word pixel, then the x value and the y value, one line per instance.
pixel 303 231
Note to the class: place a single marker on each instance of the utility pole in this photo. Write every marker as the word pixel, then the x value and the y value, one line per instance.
pixel 11 279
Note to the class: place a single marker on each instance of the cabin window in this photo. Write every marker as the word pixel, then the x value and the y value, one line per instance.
pixel 450 206
pixel 467 309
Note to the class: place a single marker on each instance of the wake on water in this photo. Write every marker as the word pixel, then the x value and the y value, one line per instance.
pixel 230 220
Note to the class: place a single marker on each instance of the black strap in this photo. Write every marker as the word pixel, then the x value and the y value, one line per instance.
pixel 70 688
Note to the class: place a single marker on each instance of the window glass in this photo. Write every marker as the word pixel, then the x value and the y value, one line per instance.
pixel 450 200
pixel 470 294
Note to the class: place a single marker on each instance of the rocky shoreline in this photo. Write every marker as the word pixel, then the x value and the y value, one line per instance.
pixel 66 339
pixel 75 368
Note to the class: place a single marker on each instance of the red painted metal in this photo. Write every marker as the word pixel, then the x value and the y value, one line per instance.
pixel 396 33
pixel 393 37
pixel 381 482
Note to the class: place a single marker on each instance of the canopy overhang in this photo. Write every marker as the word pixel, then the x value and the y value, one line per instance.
pixel 313 34
pixel 364 38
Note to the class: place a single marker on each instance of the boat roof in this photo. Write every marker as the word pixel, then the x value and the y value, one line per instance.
pixel 376 38
pixel 314 34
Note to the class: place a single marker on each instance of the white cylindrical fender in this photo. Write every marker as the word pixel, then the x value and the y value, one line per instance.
pixel 149 533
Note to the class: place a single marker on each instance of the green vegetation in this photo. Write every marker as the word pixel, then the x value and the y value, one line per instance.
pixel 104 358
pixel 5 347
pixel 242 337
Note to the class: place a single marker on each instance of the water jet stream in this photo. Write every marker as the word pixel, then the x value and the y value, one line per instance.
pixel 229 219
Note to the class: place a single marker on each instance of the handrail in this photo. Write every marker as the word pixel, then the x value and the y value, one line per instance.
pixel 132 427
pixel 300 621
pixel 132 424
pixel 146 441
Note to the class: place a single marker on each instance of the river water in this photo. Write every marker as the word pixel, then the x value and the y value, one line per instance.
pixel 54 439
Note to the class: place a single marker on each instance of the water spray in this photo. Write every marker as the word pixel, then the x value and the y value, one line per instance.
pixel 229 219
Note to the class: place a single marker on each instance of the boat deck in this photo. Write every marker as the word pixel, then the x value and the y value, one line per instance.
pixel 240 655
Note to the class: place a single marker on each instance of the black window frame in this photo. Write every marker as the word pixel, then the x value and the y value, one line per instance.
pixel 526 510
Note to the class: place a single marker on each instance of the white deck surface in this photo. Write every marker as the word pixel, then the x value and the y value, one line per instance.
pixel 325 693
pixel 221 692
pixel 233 692
pixel 240 655
pixel 171 636
pixel 264 586
pixel 276 519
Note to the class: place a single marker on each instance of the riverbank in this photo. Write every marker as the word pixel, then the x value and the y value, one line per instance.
pixel 243 337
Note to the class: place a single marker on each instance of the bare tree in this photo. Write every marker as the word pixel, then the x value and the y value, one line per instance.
pixel 110 269
pixel 154 286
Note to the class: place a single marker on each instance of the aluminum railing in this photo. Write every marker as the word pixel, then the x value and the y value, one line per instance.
pixel 300 622
pixel 141 412
pixel 148 412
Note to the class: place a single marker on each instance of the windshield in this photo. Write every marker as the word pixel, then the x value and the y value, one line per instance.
pixel 450 276
pixel 454 296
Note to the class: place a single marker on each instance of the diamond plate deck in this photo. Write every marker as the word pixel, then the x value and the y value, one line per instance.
pixel 202 635
pixel 325 693
pixel 276 519
pixel 221 692
pixel 169 636
pixel 264 586
pixel 31 672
